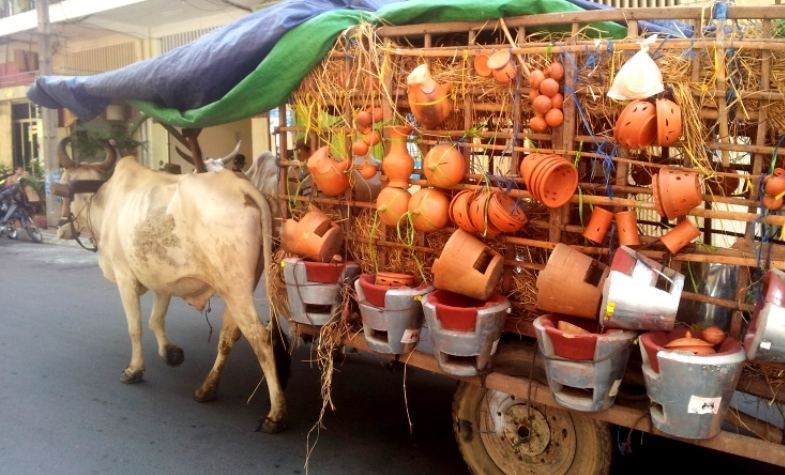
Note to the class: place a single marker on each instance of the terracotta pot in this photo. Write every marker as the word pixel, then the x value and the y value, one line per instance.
pixel 429 101
pixel 578 344
pixel 558 184
pixel 457 312
pixel 636 126
pixel 329 176
pixel 467 266
pixel 771 203
pixel 505 214
pixel 459 210
pixel 444 166
pixel 598 225
pixel 669 122
pixel 429 209
pixel 397 165
pixel 391 204
pixel 367 168
pixel 478 214
pixel 481 64
pixel 323 272
pixel 678 191
pixel 571 283
pixel 313 237
pixel 543 165
pixel 679 236
pixel 502 66
pixel 394 280
pixel 528 164
pixel 359 148
pixel 774 184
pixel 691 344
pixel 627 228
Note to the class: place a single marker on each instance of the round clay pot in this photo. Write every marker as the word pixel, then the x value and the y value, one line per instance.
pixel 329 176
pixel 627 228
pixel 690 344
pixel 429 209
pixel 774 184
pixel 636 126
pixel 543 167
pixel 429 101
pixel 444 166
pixel 391 204
pixel 598 225
pixel 481 64
pixel 394 280
pixel 678 191
pixel 397 165
pixel 478 214
pixel 771 203
pixel 367 168
pixel 558 185
pixel 669 122
pixel 679 236
pixel 459 210
pixel 502 66
pixel 505 214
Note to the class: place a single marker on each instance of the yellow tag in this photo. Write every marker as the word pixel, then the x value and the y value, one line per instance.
pixel 782 233
pixel 283 264
pixel 418 298
pixel 609 308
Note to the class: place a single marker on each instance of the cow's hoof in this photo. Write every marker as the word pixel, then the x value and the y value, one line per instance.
pixel 174 355
pixel 203 394
pixel 271 427
pixel 131 377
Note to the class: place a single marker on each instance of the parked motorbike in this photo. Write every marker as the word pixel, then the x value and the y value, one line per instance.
pixel 16 211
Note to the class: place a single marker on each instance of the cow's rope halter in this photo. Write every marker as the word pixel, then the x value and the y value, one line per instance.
pixel 71 219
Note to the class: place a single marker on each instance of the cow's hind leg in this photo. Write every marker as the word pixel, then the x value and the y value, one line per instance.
pixel 229 335
pixel 129 294
pixel 172 354
pixel 259 338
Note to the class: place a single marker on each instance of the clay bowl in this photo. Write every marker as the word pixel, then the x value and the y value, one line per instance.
pixel 459 210
pixel 528 166
pixel 505 214
pixel 545 164
pixel 558 185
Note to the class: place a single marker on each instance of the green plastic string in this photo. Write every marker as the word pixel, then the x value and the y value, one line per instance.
pixel 410 234
pixel 372 250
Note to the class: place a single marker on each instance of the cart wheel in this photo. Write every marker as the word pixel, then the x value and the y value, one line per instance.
pixel 498 434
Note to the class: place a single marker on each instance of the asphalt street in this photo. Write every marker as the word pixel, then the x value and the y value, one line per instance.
pixel 63 410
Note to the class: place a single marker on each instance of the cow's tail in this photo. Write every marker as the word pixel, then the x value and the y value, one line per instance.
pixel 280 342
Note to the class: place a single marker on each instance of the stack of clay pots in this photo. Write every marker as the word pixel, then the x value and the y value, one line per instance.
pixel 547 101
pixel 488 213
pixel 365 120
pixel 551 179
pixel 773 190
pixel 499 64
pixel 643 123
pixel 677 191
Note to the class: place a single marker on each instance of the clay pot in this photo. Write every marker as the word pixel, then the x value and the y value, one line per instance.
pixel 329 176
pixel 676 192
pixel 429 209
pixel 478 214
pixel 598 225
pixel 571 283
pixel 691 344
pixel 428 100
pixel 481 64
pixel 557 183
pixel 505 214
pixel 391 204
pixel 314 236
pixel 679 236
pixel 669 122
pixel 714 335
pixel 397 165
pixel 627 228
pixel 502 66
pixel 459 210
pixel 367 168
pixel 359 148
pixel 444 166
pixel 528 164
pixel 636 126
pixel 771 203
pixel 467 266
pixel 394 280
pixel 774 184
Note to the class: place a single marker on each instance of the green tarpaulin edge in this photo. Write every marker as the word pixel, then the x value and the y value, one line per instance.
pixel 302 48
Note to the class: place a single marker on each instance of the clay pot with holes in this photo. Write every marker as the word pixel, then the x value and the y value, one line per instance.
pixel 636 126
pixel 676 191
pixel 394 280
pixel 627 228
pixel 669 122
pixel 429 209
pixel 459 210
pixel 557 183
pixel 467 266
pixel 528 164
pixel 314 236
pixel 444 166
pixel 502 66
pixel 680 236
pixel 571 283
pixel 478 214
pixel 598 225
pixel 505 214
pixel 397 165
pixel 774 184
pixel 391 204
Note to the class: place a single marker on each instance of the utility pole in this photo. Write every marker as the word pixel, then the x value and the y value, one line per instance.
pixel 48 116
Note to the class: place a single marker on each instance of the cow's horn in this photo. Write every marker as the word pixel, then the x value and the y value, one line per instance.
pixel 111 156
pixel 232 153
pixel 62 155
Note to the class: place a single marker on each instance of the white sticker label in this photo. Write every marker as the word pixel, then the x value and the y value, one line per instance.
pixel 765 345
pixel 615 388
pixel 493 348
pixel 704 405
pixel 410 336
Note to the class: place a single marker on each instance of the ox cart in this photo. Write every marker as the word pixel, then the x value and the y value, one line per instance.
pixel 720 64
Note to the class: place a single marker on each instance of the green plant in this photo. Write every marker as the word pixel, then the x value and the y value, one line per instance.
pixel 88 137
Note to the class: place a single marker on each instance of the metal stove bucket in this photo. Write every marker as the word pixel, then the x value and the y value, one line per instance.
pixel 392 317
pixel 690 394
pixel 640 293
pixel 765 338
pixel 464 332
pixel 313 288
pixel 584 370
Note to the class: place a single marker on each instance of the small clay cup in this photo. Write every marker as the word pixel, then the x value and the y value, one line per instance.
pixel 598 225
pixel 627 228
pixel 681 235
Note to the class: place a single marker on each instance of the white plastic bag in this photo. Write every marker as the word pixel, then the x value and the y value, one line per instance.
pixel 639 78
